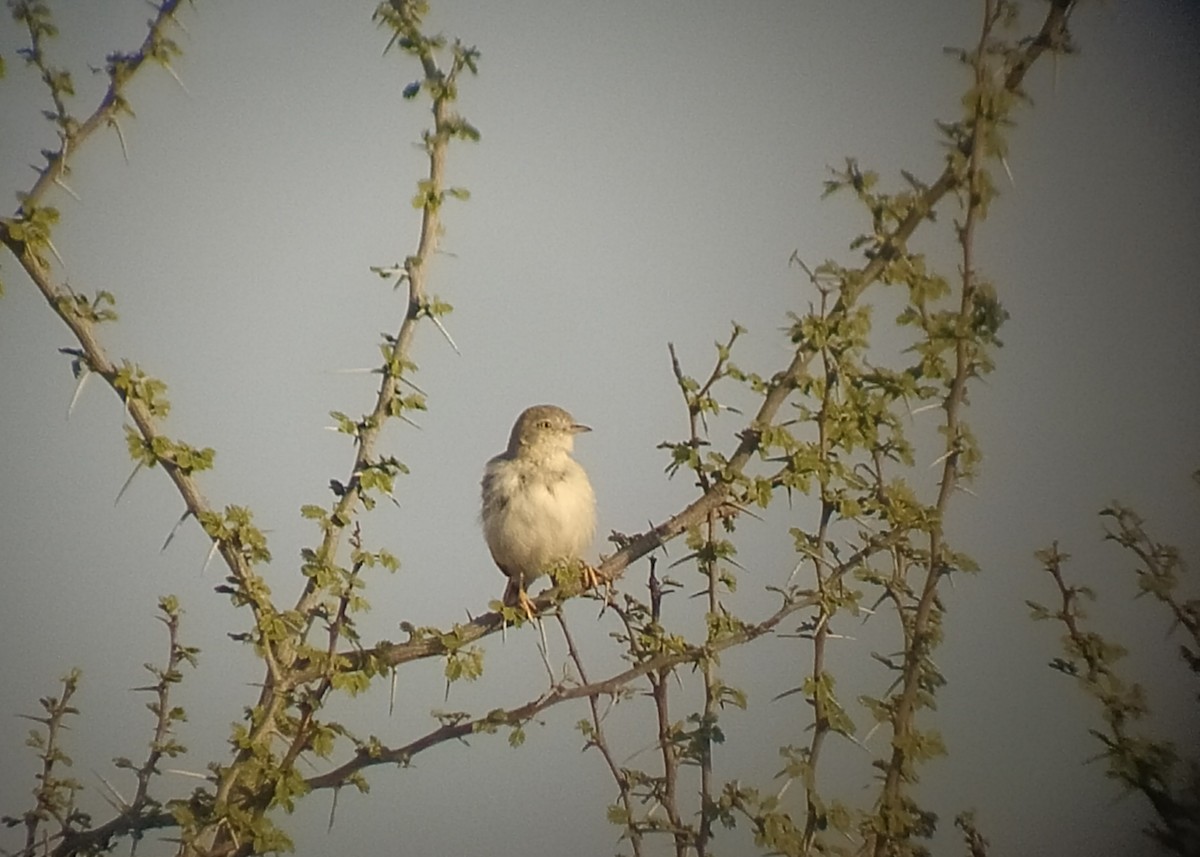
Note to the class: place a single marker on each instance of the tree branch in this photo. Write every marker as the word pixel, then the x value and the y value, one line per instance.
pixel 663 663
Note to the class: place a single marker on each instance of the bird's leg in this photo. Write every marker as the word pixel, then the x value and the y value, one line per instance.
pixel 516 596
pixel 592 580
pixel 526 604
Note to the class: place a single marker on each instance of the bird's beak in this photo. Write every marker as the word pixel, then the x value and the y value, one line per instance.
pixel 576 428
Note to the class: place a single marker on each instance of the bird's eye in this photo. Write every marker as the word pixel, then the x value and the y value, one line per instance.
pixel 544 424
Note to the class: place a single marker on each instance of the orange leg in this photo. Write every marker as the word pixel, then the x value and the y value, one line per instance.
pixel 591 580
pixel 516 596
pixel 526 603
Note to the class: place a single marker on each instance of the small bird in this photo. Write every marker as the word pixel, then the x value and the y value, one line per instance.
pixel 538 505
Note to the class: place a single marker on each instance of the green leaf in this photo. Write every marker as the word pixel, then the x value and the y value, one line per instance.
pixel 617 814
pixel 345 425
pixel 313 513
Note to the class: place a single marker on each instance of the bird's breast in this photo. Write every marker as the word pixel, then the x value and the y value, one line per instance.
pixel 535 514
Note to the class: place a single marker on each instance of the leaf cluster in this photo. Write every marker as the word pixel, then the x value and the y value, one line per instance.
pixel 1138 761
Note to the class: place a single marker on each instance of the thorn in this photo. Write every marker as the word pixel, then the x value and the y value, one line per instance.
pixel 743 509
pixel 121 493
pixel 544 648
pixel 43 720
pixel 120 804
pixel 171 71
pixel 58 181
pixel 404 380
pixel 208 557
pixel 54 250
pixel 662 545
pixel 120 136
pixel 1008 172
pixel 85 374
pixel 684 559
pixel 391 42
pixel 783 789
pixel 870 732
pixel 817 558
pixel 183 773
pixel 186 514
pixel 941 458
pixel 392 694
pixel 858 744
pixel 437 321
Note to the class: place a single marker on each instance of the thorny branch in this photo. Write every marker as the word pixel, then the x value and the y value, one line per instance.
pixel 663 663
pixel 141 812
pixel 596 738
pixel 779 388
pixel 1142 764
pixel 289 670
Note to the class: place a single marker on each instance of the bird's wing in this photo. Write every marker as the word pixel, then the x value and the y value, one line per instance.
pixel 493 498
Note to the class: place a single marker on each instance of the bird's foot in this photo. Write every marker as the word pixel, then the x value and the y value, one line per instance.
pixel 592 580
pixel 526 604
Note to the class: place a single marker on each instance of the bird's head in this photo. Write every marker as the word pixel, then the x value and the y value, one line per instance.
pixel 544 431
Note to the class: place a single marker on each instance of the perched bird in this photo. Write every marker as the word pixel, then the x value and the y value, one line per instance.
pixel 538 505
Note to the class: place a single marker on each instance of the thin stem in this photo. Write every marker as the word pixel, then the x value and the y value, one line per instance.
pixel 814 817
pixel 666 735
pixel 653 666
pixel 918 629
pixel 598 740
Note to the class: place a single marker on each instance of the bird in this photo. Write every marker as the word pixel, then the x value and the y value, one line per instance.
pixel 538 506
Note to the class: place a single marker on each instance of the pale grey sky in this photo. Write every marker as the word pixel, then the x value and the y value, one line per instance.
pixel 645 172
